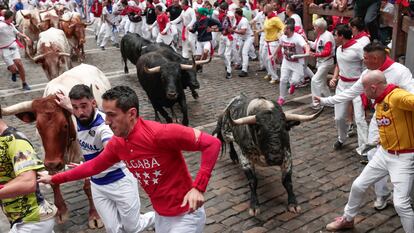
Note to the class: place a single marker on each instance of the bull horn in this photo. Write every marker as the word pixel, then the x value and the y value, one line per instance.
pixel 38 57
pixel 242 121
pixel 298 117
pixel 24 16
pixel 202 62
pixel 25 106
pixel 72 25
pixel 64 54
pixel 186 67
pixel 90 23
pixel 153 70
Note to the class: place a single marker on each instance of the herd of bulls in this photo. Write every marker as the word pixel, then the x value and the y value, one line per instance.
pixel 56 36
pixel 258 127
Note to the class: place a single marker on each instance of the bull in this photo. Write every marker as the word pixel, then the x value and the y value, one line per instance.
pixel 31 23
pixel 53 53
pixel 74 29
pixel 261 130
pixel 56 128
pixel 162 81
pixel 133 46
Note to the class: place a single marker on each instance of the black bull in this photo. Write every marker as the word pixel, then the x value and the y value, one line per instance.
pixel 133 46
pixel 162 81
pixel 261 130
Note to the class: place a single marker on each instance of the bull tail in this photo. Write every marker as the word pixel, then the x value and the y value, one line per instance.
pixel 123 55
pixel 218 132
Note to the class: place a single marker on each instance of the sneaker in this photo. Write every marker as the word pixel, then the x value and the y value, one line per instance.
pixel 26 87
pixel 14 77
pixel 267 77
pixel 102 47
pixel 291 89
pixel 243 74
pixel 280 101
pixel 228 75
pixel 274 81
pixel 340 223
pixel 364 160
pixel 382 202
pixel 338 145
pixel 351 131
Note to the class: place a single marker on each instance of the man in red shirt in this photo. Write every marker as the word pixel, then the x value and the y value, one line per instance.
pixel 97 12
pixel 166 29
pixel 152 153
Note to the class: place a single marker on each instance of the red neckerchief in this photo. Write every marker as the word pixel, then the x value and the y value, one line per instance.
pixel 202 17
pixel 387 63
pixel 348 44
pixel 185 7
pixel 280 10
pixel 222 15
pixel 388 89
pixel 238 20
pixel 271 15
pixel 229 3
pixel 150 5
pixel 360 35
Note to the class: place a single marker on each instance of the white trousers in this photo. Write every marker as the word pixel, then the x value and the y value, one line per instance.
pixel 244 48
pixel 36 227
pixel 228 47
pixel 188 45
pixel 107 32
pixel 319 86
pixel 341 113
pixel 268 51
pixel 289 75
pixel 400 168
pixel 96 25
pixel 118 204
pixel 261 47
pixel 186 223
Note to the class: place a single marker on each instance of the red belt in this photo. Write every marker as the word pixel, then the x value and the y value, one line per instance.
pixel 348 80
pixel 397 152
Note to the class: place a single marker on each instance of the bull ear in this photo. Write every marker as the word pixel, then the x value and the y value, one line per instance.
pixel 27 117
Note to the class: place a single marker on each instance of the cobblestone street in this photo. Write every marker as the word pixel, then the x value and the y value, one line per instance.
pixel 321 176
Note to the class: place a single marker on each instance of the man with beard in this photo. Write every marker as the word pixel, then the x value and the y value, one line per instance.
pixel 115 190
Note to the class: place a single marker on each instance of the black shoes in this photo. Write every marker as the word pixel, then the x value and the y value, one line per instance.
pixel 26 87
pixel 338 145
pixel 228 75
pixel 243 74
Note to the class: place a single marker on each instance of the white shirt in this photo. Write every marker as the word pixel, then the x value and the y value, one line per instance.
pixel 290 46
pixel 91 140
pixel 396 74
pixel 197 5
pixel 188 18
pixel 298 20
pixel 7 34
pixel 350 61
pixel 319 45
pixel 233 6
pixel 244 24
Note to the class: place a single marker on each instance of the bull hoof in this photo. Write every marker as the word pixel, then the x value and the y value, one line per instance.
pixel 254 212
pixel 62 217
pixel 95 223
pixel 294 208
pixel 195 95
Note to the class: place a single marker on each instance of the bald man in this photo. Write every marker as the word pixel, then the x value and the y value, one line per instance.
pixel 395 155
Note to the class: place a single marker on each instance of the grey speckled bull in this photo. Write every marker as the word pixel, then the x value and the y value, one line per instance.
pixel 261 130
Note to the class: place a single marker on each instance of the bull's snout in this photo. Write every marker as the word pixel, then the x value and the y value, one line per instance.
pixel 54 165
pixel 82 41
pixel 172 95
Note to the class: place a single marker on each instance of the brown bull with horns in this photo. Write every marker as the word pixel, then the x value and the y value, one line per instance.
pixel 56 128
pixel 74 29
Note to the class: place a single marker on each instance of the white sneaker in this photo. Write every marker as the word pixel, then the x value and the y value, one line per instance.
pixel 382 202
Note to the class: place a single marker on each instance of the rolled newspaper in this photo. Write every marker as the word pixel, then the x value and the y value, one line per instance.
pixel 296 56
